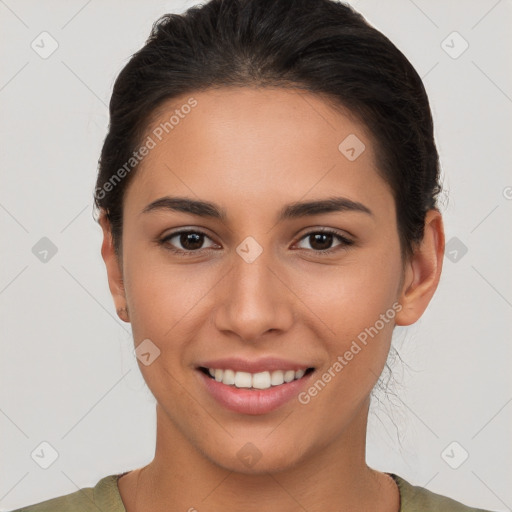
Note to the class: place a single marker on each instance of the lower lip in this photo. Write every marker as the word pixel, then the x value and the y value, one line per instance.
pixel 249 401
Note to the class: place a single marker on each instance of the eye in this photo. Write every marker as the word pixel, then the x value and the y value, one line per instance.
pixel 321 241
pixel 190 241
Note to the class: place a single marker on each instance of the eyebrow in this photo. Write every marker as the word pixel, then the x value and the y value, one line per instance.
pixel 289 211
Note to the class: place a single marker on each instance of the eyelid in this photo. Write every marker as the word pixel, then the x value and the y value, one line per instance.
pixel 345 241
pixel 164 241
pixel 323 229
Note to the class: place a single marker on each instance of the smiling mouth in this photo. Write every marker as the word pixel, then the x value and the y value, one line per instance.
pixel 255 381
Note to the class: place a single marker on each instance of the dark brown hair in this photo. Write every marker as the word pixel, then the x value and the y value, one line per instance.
pixel 320 46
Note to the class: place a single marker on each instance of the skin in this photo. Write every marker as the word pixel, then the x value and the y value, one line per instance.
pixel 268 147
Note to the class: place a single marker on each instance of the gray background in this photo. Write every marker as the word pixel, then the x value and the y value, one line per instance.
pixel 68 373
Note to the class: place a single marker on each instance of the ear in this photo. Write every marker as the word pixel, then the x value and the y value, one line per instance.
pixel 114 268
pixel 422 271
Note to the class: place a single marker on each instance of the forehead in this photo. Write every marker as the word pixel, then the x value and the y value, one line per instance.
pixel 259 144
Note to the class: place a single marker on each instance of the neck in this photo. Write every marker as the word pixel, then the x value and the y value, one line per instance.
pixel 334 477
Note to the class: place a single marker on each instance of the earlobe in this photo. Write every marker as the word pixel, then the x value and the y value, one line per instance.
pixel 423 271
pixel 114 270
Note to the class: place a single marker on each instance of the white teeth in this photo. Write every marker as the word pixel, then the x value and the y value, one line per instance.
pixel 277 378
pixel 228 377
pixel 242 379
pixel 289 375
pixel 261 380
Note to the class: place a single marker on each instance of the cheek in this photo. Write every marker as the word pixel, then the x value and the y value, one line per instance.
pixel 352 297
pixel 168 303
pixel 161 300
pixel 160 297
pixel 359 304
pixel 348 297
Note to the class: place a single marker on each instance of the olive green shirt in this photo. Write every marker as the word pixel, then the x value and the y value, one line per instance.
pixel 105 497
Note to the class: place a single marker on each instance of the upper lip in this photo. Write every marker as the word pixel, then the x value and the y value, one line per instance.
pixel 263 364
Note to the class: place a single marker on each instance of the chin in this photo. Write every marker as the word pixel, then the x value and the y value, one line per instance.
pixel 267 463
pixel 258 457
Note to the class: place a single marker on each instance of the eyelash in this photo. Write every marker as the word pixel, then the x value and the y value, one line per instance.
pixel 345 242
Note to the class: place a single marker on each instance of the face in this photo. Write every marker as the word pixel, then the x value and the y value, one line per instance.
pixel 254 283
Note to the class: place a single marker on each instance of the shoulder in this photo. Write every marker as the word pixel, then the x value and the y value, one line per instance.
pixel 415 499
pixel 103 496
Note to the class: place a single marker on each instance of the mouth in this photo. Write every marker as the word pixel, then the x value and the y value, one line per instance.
pixel 255 381
pixel 253 393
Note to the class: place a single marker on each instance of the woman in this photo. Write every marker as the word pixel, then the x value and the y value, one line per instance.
pixel 267 194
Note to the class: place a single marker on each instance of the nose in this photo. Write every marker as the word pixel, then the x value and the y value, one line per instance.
pixel 253 300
